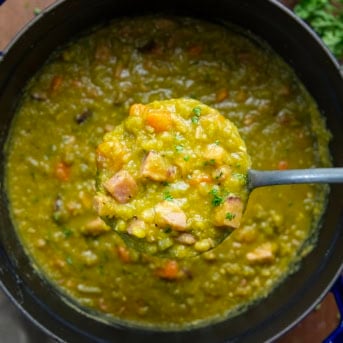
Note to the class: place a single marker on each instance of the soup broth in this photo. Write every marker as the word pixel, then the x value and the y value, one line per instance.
pixel 84 90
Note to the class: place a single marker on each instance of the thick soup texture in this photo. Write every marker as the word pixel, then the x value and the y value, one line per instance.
pixel 86 90
pixel 172 178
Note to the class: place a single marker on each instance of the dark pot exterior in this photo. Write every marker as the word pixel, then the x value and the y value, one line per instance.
pixel 314 65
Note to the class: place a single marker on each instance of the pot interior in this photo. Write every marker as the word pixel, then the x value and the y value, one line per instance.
pixel 300 48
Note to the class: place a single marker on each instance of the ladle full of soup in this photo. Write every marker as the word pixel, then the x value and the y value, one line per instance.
pixel 174 178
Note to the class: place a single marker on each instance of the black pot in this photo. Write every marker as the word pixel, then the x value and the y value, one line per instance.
pixel 314 65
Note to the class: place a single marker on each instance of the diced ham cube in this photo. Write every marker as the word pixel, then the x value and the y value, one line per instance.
pixel 214 153
pixel 99 204
pixel 137 228
pixel 95 227
pixel 222 173
pixel 169 214
pixel 171 173
pixel 122 186
pixel 229 213
pixel 155 167
pixel 262 254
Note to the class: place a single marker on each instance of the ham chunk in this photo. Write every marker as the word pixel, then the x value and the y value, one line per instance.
pixel 229 213
pixel 169 214
pixel 215 153
pixel 137 228
pixel 222 173
pixel 155 167
pixel 95 227
pixel 122 186
pixel 262 254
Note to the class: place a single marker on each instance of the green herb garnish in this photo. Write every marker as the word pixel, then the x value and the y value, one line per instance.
pixel 197 113
pixel 210 162
pixel 326 18
pixel 167 230
pixel 195 120
pixel 216 198
pixel 56 217
pixel 241 177
pixel 186 158
pixel 69 260
pixel 167 196
pixel 218 176
pixel 179 147
pixel 230 216
pixel 67 232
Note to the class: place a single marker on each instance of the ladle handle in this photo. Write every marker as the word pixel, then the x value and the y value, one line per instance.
pixel 258 178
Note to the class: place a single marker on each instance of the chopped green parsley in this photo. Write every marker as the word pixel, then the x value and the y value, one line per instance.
pixel 230 216
pixel 210 162
pixel 197 113
pixel 241 177
pixel 167 196
pixel 216 198
pixel 179 147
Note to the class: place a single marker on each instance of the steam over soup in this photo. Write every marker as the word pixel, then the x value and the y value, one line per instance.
pixel 85 90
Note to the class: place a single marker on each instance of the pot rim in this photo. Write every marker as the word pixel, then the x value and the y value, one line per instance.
pixel 325 289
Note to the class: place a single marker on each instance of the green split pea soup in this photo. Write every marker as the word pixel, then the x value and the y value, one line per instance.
pixel 84 91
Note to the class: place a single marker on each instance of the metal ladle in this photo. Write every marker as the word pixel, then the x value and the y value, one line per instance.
pixel 257 178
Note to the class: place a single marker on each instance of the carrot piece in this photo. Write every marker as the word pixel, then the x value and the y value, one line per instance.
pixel 56 83
pixel 62 171
pixel 221 95
pixel 195 50
pixel 160 120
pixel 137 109
pixel 199 177
pixel 102 304
pixel 170 271
pixel 282 165
pixel 124 254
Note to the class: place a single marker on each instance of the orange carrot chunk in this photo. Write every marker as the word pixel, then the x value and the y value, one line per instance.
pixel 282 165
pixel 170 271
pixel 195 50
pixel 56 83
pixel 123 254
pixel 159 120
pixel 221 95
pixel 62 171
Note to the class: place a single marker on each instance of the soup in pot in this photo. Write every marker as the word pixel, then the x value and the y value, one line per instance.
pixel 85 90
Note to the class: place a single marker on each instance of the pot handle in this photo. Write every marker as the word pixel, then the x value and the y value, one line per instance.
pixel 337 290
